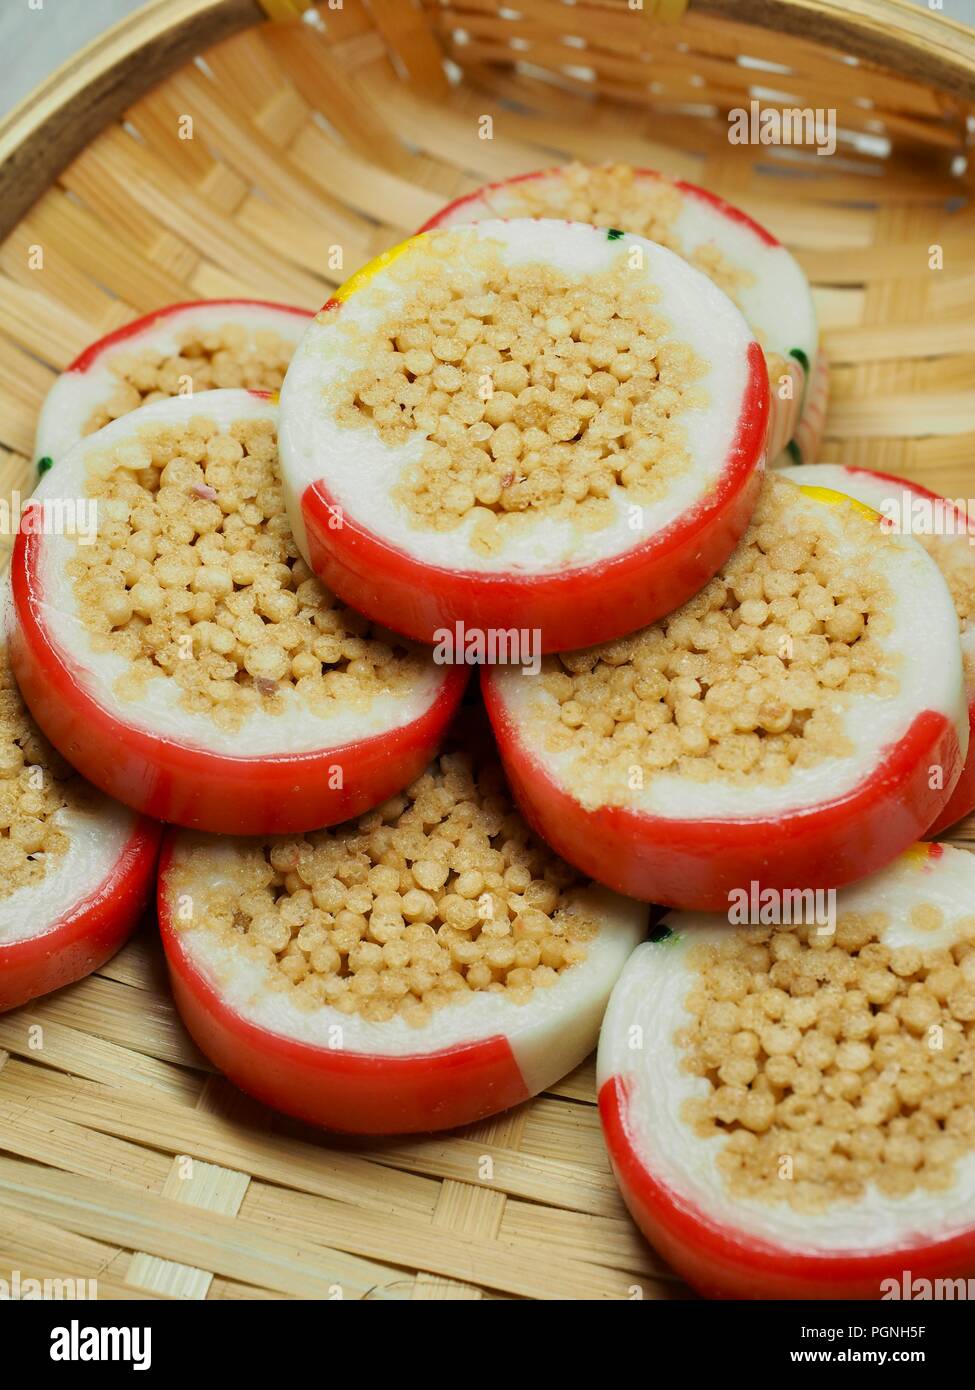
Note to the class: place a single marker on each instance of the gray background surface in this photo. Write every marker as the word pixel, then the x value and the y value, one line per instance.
pixel 34 41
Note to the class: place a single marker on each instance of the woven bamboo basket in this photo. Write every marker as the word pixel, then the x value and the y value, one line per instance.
pixel 350 125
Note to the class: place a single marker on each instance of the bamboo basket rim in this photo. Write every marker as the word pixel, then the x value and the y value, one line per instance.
pixel 96 1126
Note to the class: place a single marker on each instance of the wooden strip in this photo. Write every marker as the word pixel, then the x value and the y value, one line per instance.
pixel 296 1163
pixel 876 182
pixel 140 963
pixel 16 475
pixel 375 193
pixel 108 254
pixel 313 67
pixel 839 228
pixel 69 1146
pixel 280 10
pixel 858 266
pixel 310 245
pixel 953 295
pixel 467 1211
pixel 890 417
pixel 291 1162
pixel 232 1289
pixel 893 177
pixel 666 11
pixel 162 122
pixel 579 1085
pixel 198 1185
pixel 246 67
pixel 951 373
pixel 404 28
pixel 113 1011
pixel 888 342
pixel 475 1211
pixel 571 1131
pixel 242 145
pixel 61 280
pixel 214 1189
pixel 175 1231
pixel 448 135
pixel 868 439
pixel 192 218
pixel 944 466
pixel 32 1134
pixel 578 130
pixel 837 308
pixel 46 329
pixel 611 1241
pixel 211 282
pixel 524 1271
pixel 85 1054
pixel 24 382
pixel 45 1251
pixel 109 202
pixel 65 1287
pixel 527 1174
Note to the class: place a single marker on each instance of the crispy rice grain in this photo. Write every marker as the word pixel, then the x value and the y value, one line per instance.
pixel 834 1061
pixel 612 195
pixel 440 893
pixel 539 394
pixel 195 575
pixel 36 785
pixel 745 681
pixel 958 567
pixel 228 355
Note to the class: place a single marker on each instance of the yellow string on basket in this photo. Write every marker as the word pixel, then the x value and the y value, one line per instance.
pixel 669 11
pixel 285 9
